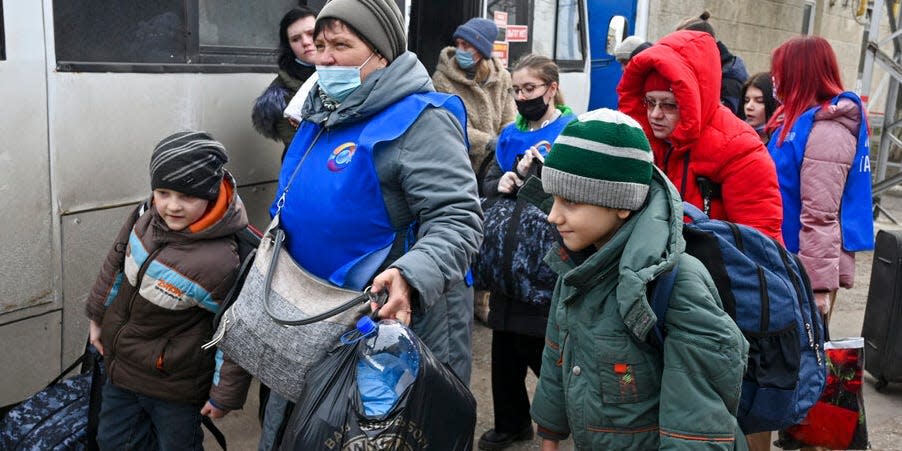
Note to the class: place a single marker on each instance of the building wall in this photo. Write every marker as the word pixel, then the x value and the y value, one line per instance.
pixel 753 28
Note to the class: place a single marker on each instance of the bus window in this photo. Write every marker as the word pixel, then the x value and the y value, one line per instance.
pixel 167 35
pixel 2 35
pixel 617 29
pixel 568 45
pixel 517 14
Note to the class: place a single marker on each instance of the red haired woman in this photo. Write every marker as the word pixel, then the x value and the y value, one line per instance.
pixel 819 142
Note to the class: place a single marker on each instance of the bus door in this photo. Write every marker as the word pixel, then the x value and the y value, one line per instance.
pixel 610 22
pixel 30 315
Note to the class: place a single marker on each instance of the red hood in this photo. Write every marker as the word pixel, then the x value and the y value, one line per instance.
pixel 691 61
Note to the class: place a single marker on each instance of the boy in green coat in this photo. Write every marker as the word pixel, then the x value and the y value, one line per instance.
pixel 620 222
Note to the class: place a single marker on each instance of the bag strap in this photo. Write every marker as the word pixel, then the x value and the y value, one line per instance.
pixel 214 431
pixel 95 402
pixel 709 190
pixel 278 237
pixel 661 288
pixel 694 213
pixel 281 202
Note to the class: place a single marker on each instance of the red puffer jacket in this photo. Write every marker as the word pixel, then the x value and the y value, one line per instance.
pixel 709 140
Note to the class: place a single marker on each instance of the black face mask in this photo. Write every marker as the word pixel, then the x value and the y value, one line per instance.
pixel 532 109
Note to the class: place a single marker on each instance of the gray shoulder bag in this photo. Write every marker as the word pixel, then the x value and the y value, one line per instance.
pixel 285 319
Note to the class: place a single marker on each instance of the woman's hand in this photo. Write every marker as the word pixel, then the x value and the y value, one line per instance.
pixel 822 299
pixel 209 410
pixel 398 304
pixel 294 123
pixel 549 445
pixel 526 161
pixel 509 182
pixel 94 336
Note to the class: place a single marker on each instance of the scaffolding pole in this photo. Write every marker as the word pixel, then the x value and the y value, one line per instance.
pixel 892 119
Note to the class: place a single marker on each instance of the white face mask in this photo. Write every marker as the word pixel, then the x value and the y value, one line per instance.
pixel 338 82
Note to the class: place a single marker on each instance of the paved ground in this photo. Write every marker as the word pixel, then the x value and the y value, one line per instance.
pixel 884 410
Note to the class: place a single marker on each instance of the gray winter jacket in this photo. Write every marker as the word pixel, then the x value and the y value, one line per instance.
pixel 425 176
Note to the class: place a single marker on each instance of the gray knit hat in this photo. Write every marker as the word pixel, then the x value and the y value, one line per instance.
pixel 190 162
pixel 623 50
pixel 602 158
pixel 379 21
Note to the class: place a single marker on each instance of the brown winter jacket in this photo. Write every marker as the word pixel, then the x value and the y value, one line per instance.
pixel 828 157
pixel 152 330
pixel 488 98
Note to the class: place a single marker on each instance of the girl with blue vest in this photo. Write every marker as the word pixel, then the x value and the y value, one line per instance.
pixel 521 284
pixel 819 142
pixel 362 197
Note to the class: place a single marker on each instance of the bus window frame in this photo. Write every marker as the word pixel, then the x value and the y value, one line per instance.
pixel 198 58
pixel 2 35
pixel 571 65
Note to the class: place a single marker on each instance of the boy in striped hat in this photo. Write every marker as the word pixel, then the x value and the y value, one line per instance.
pixel 153 303
pixel 620 222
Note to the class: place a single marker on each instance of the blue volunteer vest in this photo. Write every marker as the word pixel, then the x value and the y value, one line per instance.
pixel 513 141
pixel 856 205
pixel 335 219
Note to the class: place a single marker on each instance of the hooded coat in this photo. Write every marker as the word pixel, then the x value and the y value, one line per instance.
pixel 441 198
pixel 829 154
pixel 267 114
pixel 152 327
pixel 487 96
pixel 601 382
pixel 709 140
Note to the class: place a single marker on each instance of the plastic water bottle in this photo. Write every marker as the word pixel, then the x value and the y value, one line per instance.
pixel 388 364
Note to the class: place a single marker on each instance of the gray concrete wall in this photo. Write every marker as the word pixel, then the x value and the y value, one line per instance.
pixel 753 28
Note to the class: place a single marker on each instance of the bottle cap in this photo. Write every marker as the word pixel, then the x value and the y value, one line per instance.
pixel 366 326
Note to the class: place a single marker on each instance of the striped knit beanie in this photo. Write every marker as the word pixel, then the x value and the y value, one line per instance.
pixel 189 162
pixel 602 158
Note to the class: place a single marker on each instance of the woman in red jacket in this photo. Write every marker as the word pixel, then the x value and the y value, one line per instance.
pixel 716 160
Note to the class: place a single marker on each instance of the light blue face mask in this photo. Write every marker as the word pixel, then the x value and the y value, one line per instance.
pixel 464 59
pixel 339 82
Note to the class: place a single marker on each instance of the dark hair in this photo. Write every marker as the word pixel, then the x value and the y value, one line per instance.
pixel 286 56
pixel 762 81
pixel 699 23
pixel 331 22
pixel 544 69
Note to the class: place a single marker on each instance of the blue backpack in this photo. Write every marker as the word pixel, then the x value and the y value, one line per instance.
pixel 766 291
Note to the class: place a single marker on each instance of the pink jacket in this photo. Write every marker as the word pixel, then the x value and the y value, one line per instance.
pixel 828 156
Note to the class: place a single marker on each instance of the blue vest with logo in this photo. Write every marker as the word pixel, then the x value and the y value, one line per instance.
pixel 513 141
pixel 335 219
pixel 856 205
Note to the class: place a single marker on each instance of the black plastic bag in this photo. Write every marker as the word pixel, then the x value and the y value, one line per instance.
pixel 437 411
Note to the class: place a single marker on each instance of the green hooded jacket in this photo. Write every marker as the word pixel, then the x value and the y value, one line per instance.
pixel 602 382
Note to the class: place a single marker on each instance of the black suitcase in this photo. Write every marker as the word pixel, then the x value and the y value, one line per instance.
pixel 882 327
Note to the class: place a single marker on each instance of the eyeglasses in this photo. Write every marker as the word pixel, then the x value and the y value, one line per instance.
pixel 526 89
pixel 666 107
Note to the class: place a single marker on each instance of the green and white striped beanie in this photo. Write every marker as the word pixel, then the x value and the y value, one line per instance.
pixel 602 158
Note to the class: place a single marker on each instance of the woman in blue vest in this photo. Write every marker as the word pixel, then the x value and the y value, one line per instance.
pixel 518 236
pixel 819 142
pixel 382 192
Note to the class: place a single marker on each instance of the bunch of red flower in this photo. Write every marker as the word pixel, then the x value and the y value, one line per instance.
pixel 837 420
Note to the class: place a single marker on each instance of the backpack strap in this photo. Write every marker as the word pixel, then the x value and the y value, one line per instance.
pixel 661 288
pixel 694 213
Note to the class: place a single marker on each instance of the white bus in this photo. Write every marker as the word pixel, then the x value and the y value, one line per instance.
pixel 89 87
